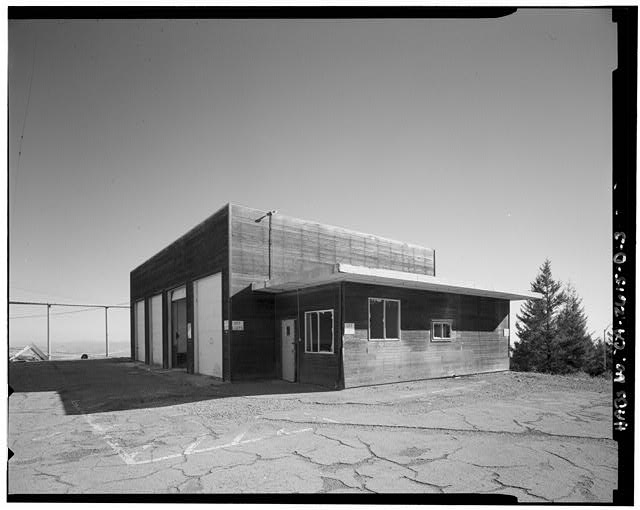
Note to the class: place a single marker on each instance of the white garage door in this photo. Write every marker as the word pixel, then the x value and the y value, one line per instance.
pixel 207 294
pixel 156 330
pixel 140 330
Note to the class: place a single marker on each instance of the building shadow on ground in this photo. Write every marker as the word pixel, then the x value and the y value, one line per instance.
pixel 93 386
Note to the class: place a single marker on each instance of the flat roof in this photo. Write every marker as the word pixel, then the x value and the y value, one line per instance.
pixel 360 274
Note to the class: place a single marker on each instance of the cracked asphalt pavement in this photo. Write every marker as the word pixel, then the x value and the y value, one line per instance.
pixel 114 426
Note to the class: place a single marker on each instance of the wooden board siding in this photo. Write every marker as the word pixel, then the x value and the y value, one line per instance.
pixel 297 245
pixel 202 251
pixel 300 245
pixel 232 243
pixel 253 349
pixel 478 343
pixel 314 368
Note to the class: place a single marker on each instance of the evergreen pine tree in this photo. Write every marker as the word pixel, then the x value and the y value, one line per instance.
pixel 537 326
pixel 574 348
pixel 600 363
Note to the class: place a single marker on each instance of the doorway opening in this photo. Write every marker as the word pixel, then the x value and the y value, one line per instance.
pixel 178 328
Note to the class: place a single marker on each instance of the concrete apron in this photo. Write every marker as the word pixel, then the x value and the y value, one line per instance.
pixel 273 437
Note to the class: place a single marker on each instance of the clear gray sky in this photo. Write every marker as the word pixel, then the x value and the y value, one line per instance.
pixel 488 140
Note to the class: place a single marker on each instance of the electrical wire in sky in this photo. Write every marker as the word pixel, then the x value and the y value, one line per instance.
pixel 51 314
pixel 24 123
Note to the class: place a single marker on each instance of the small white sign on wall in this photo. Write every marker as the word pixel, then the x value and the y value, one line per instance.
pixel 506 331
pixel 226 325
pixel 349 328
pixel 237 325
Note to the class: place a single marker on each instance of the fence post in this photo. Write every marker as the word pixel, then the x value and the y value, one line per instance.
pixel 48 336
pixel 106 332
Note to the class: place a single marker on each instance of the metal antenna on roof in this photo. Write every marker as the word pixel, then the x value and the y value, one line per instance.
pixel 269 214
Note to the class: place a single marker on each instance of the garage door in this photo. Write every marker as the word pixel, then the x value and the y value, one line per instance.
pixel 156 330
pixel 140 330
pixel 207 293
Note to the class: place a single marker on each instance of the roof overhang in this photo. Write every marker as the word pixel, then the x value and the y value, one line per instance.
pixel 360 274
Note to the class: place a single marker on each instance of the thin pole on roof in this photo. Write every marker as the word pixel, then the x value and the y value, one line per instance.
pixel 269 214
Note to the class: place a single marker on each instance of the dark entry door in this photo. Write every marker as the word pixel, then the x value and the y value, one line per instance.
pixel 179 333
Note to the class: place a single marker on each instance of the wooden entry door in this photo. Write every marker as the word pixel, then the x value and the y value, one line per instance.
pixel 179 333
pixel 288 343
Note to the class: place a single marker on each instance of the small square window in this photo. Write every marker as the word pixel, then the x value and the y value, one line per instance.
pixel 441 331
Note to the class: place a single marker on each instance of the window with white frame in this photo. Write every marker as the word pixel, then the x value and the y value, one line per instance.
pixel 318 331
pixel 384 319
pixel 441 331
